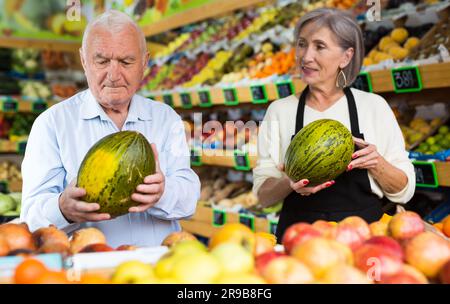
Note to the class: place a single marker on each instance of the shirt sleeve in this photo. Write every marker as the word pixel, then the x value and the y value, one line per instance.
pixel 396 154
pixel 43 177
pixel 182 185
pixel 269 147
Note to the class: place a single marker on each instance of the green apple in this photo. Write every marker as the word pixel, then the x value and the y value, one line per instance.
pixel 245 278
pixel 234 258
pixel 188 247
pixel 164 267
pixel 197 268
pixel 132 272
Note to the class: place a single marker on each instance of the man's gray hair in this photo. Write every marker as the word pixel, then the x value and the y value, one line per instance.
pixel 114 21
pixel 345 30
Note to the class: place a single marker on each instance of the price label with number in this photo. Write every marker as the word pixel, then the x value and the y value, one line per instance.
pixel 10 106
pixel 273 227
pixel 241 161
pixel 39 107
pixel 21 146
pixel 363 82
pixel 205 99
pixel 406 79
pixel 247 220
pixel 186 101
pixel 168 100
pixel 285 89
pixel 259 94
pixel 196 159
pixel 426 174
pixel 219 218
pixel 4 186
pixel 230 95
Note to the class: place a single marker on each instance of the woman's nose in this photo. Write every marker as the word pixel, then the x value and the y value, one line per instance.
pixel 307 55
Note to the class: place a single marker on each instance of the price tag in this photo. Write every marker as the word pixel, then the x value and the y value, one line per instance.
pixel 10 106
pixel 39 107
pixel 241 161
pixel 21 146
pixel 219 218
pixel 186 101
pixel 273 227
pixel 168 100
pixel 230 95
pixel 247 220
pixel 259 94
pixel 363 82
pixel 205 99
pixel 196 159
pixel 426 175
pixel 285 89
pixel 4 186
pixel 406 79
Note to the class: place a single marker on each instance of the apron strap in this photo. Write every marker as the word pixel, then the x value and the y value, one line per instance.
pixel 354 123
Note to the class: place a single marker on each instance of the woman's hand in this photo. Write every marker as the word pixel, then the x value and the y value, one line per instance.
pixel 366 158
pixel 301 186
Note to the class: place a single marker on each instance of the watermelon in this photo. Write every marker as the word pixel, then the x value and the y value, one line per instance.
pixel 113 168
pixel 319 152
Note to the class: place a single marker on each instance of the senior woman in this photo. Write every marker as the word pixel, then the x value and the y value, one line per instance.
pixel 330 50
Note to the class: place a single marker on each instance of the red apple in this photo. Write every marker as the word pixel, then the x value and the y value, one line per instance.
pixel 378 228
pixel 96 248
pixel 298 234
pixel 346 234
pixel 263 259
pixel 287 270
pixel 405 225
pixel 377 262
pixel 126 247
pixel 359 224
pixel 444 273
pixel 388 244
pixel 322 226
pixel 407 275
pixel 428 253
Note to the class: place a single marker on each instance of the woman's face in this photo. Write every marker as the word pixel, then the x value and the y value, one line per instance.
pixel 320 56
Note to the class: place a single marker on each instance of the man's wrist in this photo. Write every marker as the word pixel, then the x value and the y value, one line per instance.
pixel 62 212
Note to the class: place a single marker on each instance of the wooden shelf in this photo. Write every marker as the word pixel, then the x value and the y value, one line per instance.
pixel 26 106
pixel 201 223
pixel 12 147
pixel 224 158
pixel 216 8
pixel 443 173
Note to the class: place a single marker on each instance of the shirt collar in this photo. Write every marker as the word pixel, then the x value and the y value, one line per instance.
pixel 139 108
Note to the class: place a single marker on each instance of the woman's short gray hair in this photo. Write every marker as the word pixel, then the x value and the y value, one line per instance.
pixel 114 21
pixel 346 31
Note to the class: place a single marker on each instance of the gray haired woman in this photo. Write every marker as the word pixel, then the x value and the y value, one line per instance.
pixel 330 50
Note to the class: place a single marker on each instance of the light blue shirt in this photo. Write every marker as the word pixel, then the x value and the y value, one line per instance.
pixel 60 138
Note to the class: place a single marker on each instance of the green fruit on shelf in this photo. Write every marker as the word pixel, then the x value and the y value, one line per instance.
pixel 438 137
pixel 430 141
pixel 435 148
pixel 443 130
pixel 6 203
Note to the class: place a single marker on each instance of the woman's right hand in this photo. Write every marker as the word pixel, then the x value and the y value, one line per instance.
pixel 301 187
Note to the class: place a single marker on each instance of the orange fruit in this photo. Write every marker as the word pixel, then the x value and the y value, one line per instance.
pixel 52 277
pixel 29 271
pixel 438 226
pixel 92 278
pixel 446 226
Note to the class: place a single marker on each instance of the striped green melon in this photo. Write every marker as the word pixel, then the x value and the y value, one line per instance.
pixel 319 152
pixel 113 168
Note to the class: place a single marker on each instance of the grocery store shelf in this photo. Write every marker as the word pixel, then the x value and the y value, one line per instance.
pixel 13 105
pixel 433 76
pixel 8 147
pixel 443 173
pixel 201 223
pixel 206 11
pixel 226 158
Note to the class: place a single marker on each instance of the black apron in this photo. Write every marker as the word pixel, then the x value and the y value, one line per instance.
pixel 350 195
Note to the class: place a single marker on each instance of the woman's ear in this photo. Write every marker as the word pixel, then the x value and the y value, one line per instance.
pixel 348 55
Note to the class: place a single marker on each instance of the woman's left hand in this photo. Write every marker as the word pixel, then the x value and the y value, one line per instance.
pixel 365 158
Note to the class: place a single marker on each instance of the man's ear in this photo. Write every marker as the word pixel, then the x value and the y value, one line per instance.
pixel 146 59
pixel 83 63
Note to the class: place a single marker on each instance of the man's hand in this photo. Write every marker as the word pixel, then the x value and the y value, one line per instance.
pixel 301 186
pixel 366 158
pixel 150 192
pixel 77 211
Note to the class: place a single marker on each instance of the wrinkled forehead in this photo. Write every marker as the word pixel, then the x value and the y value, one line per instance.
pixel 124 41
pixel 317 29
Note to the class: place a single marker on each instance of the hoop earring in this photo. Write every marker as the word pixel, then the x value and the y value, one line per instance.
pixel 341 84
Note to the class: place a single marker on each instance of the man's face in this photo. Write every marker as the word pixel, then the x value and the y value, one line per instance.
pixel 114 65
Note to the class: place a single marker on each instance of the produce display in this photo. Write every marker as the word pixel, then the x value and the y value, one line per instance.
pixel 10 204
pixel 320 152
pixel 10 172
pixel 113 168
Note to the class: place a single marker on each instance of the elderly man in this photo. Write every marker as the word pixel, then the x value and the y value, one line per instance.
pixel 114 57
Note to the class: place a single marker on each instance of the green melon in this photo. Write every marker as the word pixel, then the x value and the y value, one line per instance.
pixel 113 168
pixel 319 152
